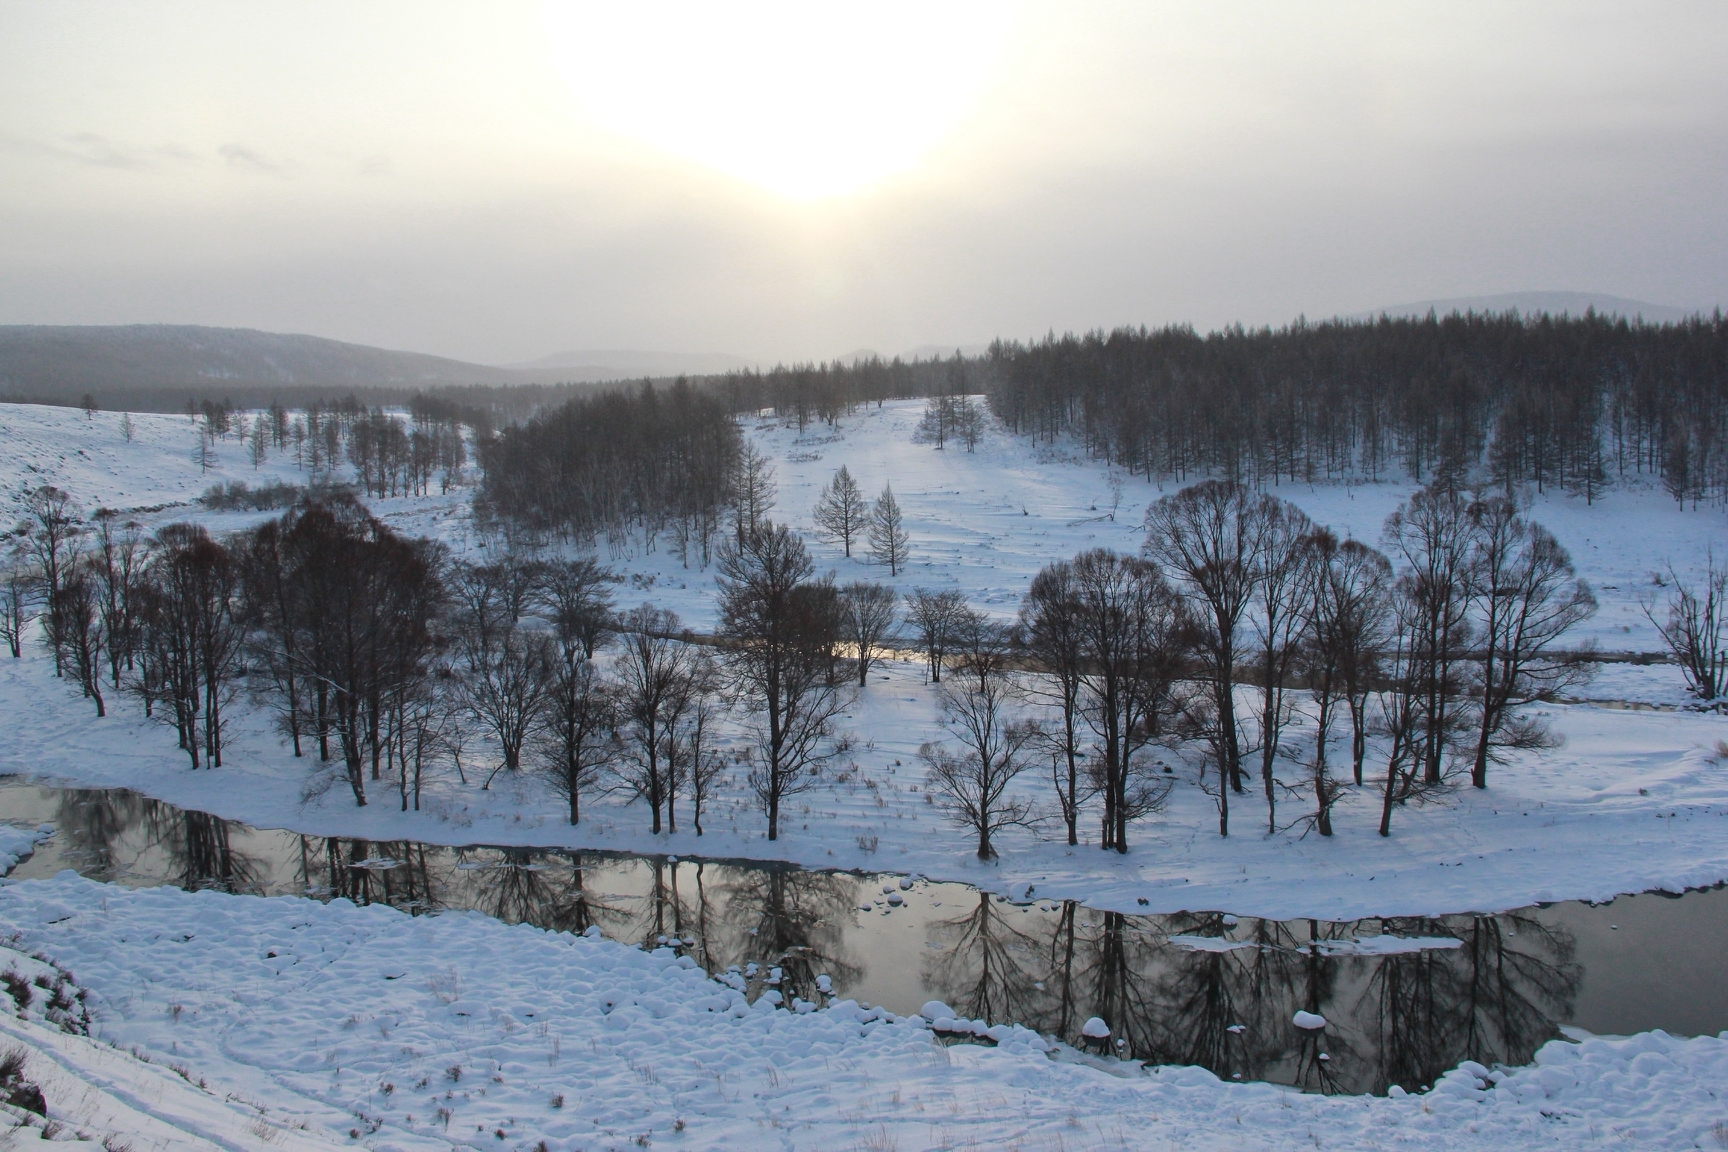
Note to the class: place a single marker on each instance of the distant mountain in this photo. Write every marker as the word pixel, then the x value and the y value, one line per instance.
pixel 53 362
pixel 619 363
pixel 1529 303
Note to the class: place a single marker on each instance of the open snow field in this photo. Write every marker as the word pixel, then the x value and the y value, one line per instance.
pixel 354 999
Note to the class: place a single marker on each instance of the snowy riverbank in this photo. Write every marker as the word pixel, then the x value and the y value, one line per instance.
pixel 326 1020
pixel 1635 801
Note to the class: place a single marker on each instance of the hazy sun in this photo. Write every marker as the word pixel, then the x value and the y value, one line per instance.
pixel 806 99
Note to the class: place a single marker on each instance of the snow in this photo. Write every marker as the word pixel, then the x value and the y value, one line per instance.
pixel 1308 1021
pixel 17 843
pixel 364 1018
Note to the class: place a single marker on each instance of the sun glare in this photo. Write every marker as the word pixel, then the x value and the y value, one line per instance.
pixel 805 99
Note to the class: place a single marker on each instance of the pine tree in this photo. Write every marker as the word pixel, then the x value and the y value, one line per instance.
pixel 888 532
pixel 842 511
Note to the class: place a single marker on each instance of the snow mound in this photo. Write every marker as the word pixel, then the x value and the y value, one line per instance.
pixel 17 843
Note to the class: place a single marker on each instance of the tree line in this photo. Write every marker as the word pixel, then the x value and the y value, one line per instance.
pixel 390 457
pixel 389 660
pixel 631 468
pixel 1575 402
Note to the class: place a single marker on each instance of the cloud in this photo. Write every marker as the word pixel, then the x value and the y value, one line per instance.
pixel 84 148
pixel 243 159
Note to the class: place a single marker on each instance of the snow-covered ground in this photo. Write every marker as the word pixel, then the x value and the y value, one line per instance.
pixel 299 1024
pixel 1635 800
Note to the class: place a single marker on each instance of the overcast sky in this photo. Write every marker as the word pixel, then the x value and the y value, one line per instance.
pixel 500 181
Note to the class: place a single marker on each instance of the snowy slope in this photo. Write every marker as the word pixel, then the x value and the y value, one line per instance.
pixel 458 1030
pixel 983 522
pixel 89 458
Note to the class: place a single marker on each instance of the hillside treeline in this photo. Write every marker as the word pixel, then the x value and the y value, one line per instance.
pixel 623 465
pixel 810 393
pixel 1571 402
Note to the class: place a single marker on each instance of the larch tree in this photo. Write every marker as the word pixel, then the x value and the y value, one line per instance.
pixel 842 512
pixel 888 538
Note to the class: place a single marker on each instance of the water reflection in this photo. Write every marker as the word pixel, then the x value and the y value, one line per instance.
pixel 1203 989
pixel 1211 991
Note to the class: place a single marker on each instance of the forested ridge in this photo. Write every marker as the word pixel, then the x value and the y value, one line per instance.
pixel 1573 402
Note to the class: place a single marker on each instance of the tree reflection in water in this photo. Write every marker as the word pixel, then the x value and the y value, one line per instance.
pixel 987 968
pixel 199 849
pixel 1391 1019
pixel 790 918
pixel 1495 998
pixel 1224 1002
pixel 94 822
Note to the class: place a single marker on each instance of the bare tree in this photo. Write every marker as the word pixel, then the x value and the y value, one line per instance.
pixel 575 596
pixel 972 787
pixel 1284 592
pixel 1407 673
pixel 753 490
pixel 1348 626
pixel 780 628
pixel 117 563
pixel 867 621
pixel 51 534
pixel 654 680
pixel 1340 656
pixel 1527 595
pixel 17 602
pixel 374 598
pixel 935 615
pixel 194 633
pixel 1432 534
pixel 1696 628
pixel 78 608
pixel 690 707
pixel 579 725
pixel 842 512
pixel 703 762
pixel 1132 635
pixel 888 538
pixel 507 672
pixel 1211 536
pixel 1049 621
